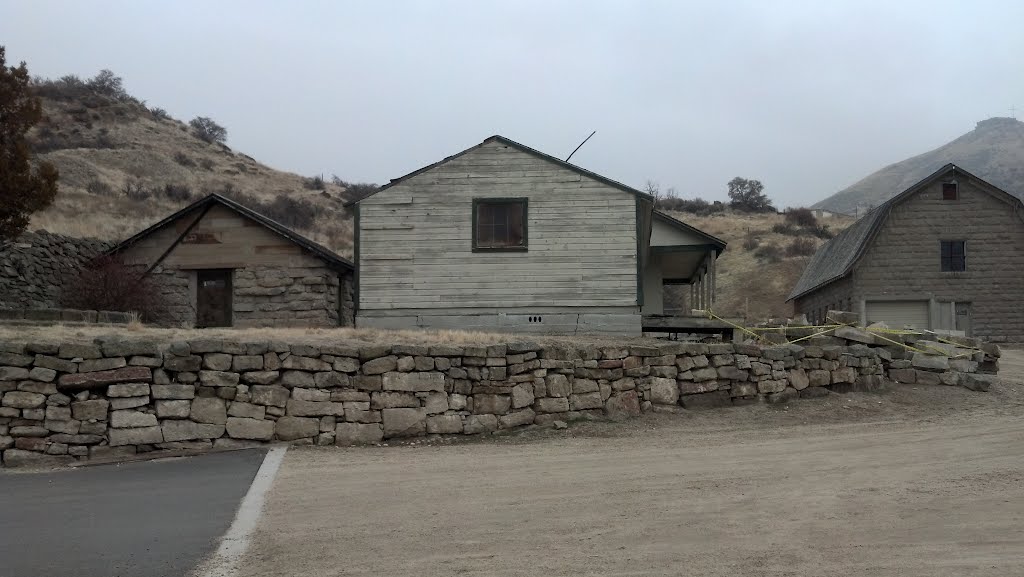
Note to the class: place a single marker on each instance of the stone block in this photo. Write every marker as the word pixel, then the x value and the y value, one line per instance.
pixel 844 375
pixel 799 379
pixel 315 395
pixel 261 377
pixel 663 391
pixel 191 363
pixel 927 378
pixel 330 380
pixel 181 430
pixel 128 348
pixel 380 365
pixel 551 405
pixel 128 390
pixel 297 379
pixel 930 362
pixel 173 409
pixel 125 419
pixel 218 378
pixel 269 395
pixel 140 436
pixel 558 386
pixel 366 383
pixel 517 419
pixel 247 410
pixel 79 351
pixel 297 408
pixel 814 392
pixel 219 361
pixel 13 373
pixel 56 413
pixel 743 390
pixel 414 382
pixel 522 395
pixel 175 391
pixel 29 431
pixel 42 374
pixel 732 373
pixel 62 365
pixel 23 399
pixel 37 387
pixel 697 387
pixel 291 428
pixel 209 410
pixel 819 378
pixel 491 404
pixel 854 334
pixel 588 401
pixel 404 422
pixel 347 434
pixel 771 386
pixel 435 403
pixel 106 364
pixel 393 400
pixel 244 428
pixel 704 374
pixel 295 362
pixel 476 424
pixel 444 424
pixel 82 381
pixel 976 382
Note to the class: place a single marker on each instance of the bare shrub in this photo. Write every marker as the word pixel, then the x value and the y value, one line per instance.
pixel 751 243
pixel 355 190
pixel 159 113
pixel 99 188
pixel 697 206
pixel 769 252
pixel 184 159
pixel 785 228
pixel 108 284
pixel 801 247
pixel 206 129
pixel 136 190
pixel 822 231
pixel 177 192
pixel 206 163
pixel 314 183
pixel 802 217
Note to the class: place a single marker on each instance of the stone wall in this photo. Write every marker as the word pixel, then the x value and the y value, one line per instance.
pixel 306 296
pixel 33 267
pixel 112 398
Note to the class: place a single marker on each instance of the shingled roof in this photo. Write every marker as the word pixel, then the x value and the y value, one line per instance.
pixel 319 250
pixel 836 258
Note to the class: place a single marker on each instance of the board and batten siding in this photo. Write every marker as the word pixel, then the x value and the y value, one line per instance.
pixel 415 241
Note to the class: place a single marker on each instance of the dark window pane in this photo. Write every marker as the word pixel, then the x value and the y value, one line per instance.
pixel 953 255
pixel 949 191
pixel 500 224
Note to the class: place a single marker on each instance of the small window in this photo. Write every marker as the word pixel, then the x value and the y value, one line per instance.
pixel 953 255
pixel 499 224
pixel 950 191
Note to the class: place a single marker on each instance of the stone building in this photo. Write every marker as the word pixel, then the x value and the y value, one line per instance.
pixel 946 254
pixel 220 264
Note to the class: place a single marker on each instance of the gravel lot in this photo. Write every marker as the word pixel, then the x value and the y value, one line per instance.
pixel 912 481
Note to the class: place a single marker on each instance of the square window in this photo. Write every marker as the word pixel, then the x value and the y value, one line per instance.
pixel 950 191
pixel 499 224
pixel 953 255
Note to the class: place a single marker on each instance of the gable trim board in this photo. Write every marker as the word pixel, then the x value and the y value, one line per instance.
pixel 836 258
pixel 520 147
pixel 208 202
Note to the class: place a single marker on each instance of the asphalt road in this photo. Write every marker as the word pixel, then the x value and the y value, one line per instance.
pixel 150 519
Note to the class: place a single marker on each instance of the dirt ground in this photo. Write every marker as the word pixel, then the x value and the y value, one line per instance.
pixel 910 481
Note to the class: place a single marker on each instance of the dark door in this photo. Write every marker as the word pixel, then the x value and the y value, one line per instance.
pixel 213 298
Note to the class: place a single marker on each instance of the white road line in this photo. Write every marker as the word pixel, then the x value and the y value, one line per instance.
pixel 224 563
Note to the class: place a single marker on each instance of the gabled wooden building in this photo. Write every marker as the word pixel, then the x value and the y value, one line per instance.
pixel 220 264
pixel 504 237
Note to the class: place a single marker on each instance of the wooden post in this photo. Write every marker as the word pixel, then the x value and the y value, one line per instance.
pixel 693 297
pixel 714 258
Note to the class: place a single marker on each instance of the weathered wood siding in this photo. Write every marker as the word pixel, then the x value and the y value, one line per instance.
pixel 416 240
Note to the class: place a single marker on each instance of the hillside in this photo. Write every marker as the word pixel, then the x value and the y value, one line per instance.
pixel 124 166
pixel 754 278
pixel 994 150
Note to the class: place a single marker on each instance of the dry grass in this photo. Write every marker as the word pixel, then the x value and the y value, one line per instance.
pixel 67 333
pixel 149 150
pixel 750 287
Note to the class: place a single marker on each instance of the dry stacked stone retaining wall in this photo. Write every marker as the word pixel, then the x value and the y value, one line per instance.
pixel 33 267
pixel 112 398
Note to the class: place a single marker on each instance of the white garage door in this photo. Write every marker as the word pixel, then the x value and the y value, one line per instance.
pixel 898 314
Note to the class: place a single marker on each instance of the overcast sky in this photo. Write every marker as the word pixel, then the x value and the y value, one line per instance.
pixel 806 96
